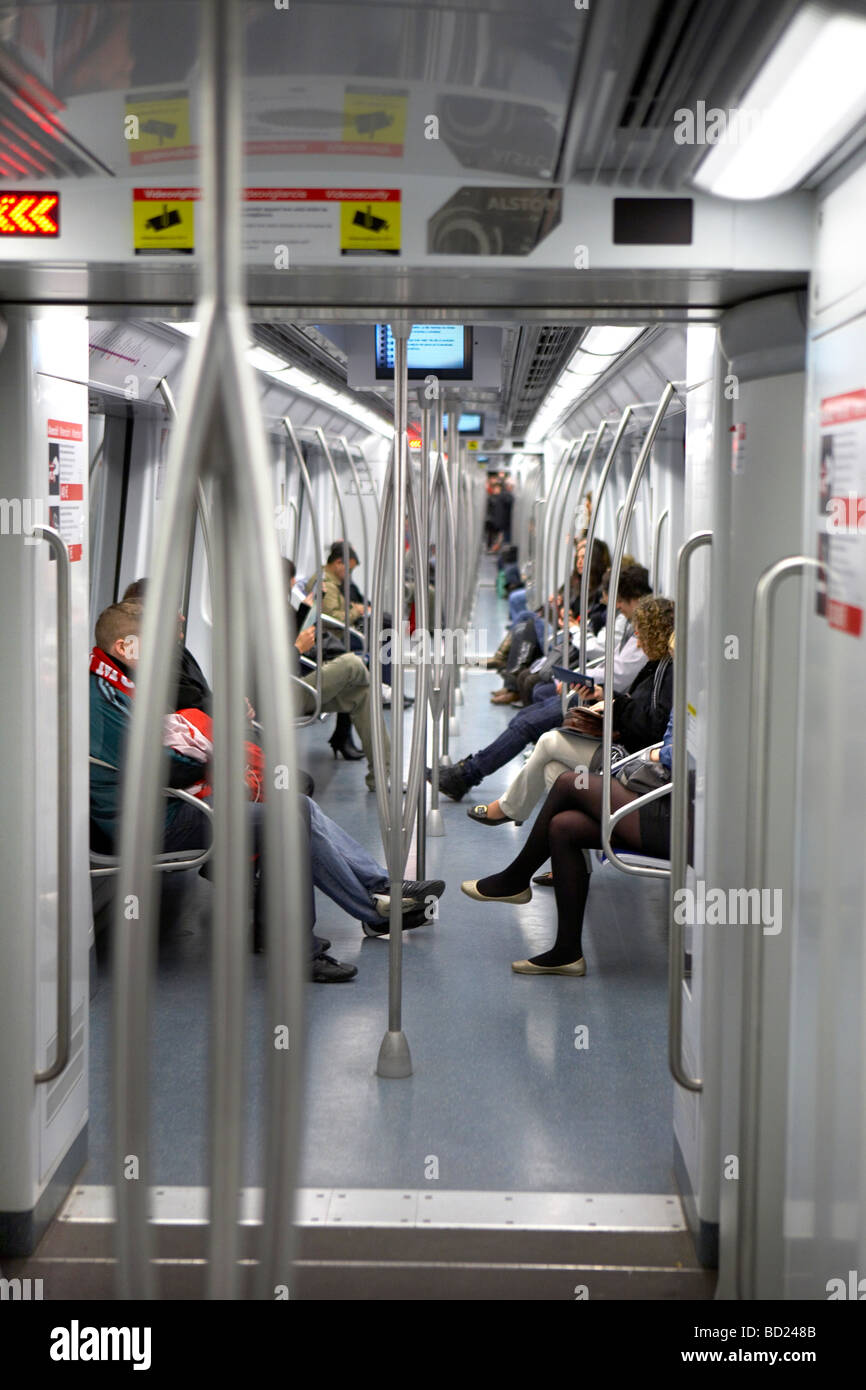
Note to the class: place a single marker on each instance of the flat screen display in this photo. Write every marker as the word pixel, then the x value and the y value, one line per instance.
pixel 466 424
pixel 434 349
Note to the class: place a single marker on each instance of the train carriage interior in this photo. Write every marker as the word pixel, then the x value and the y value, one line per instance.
pixel 480 390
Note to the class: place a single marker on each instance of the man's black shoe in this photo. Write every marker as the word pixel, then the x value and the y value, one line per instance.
pixel 452 782
pixel 327 971
pixel 415 917
pixel 421 891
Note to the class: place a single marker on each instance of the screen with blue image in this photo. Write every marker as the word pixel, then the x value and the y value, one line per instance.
pixel 434 349
pixel 467 423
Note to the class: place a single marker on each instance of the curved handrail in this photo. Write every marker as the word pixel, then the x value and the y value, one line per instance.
pixel 365 543
pixel 64 808
pixel 757 801
pixel 571 554
pixel 300 720
pixel 680 813
pixel 607 819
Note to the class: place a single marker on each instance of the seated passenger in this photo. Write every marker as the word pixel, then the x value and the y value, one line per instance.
pixel 345 686
pixel 334 579
pixel 528 726
pixel 569 822
pixel 335 862
pixel 639 719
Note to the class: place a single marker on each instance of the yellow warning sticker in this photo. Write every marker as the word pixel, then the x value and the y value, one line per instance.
pixel 156 127
pixel 163 221
pixel 374 118
pixel 472 445
pixel 367 227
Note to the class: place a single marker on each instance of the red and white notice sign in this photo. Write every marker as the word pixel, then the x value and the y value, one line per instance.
pixel 66 445
pixel 841 596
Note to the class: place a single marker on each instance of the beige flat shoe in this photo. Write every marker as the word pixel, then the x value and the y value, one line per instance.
pixel 525 967
pixel 470 888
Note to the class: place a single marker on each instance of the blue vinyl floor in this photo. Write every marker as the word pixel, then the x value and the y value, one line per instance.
pixel 501 1097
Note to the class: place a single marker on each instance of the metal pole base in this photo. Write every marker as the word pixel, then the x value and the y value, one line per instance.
pixel 445 761
pixel 435 823
pixel 458 696
pixel 395 1061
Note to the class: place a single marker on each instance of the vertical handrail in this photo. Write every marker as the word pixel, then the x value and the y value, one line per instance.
pixel 443 589
pixel 365 542
pixel 555 534
pixel 547 580
pixel 307 483
pixel 656 551
pixel 394 1058
pixel 590 533
pixel 424 547
pixel 680 813
pixel 219 404
pixel 608 821
pixel 757 805
pixel 571 552
pixel 201 505
pixel 347 568
pixel 296 528
pixel 64 808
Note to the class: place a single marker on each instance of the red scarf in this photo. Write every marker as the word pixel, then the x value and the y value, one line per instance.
pixel 107 669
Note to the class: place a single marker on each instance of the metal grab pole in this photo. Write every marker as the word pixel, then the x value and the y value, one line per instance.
pixel 64 809
pixel 307 482
pixel 554 516
pixel 200 498
pixel 680 814
pixel 569 561
pixel 555 537
pixel 590 532
pixel 335 479
pixel 365 542
pixel 424 548
pixel 542 581
pixel 608 820
pixel 656 552
pixel 394 1059
pixel 220 401
pixel 444 587
pixel 757 804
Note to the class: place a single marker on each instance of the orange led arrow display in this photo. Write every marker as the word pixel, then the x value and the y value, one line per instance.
pixel 30 214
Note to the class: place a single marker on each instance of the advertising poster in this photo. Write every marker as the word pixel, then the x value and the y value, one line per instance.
pixel 65 451
pixel 841 590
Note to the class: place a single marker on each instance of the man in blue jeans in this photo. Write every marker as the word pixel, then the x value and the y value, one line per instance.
pixel 334 861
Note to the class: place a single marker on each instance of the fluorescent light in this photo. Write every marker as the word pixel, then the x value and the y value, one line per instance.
pixel 609 342
pixel 807 97
pixel 594 357
pixel 265 361
pixel 188 327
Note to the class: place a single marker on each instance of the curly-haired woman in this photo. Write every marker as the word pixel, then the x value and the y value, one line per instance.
pixel 639 718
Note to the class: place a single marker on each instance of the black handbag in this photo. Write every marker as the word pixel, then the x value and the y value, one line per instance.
pixel 645 777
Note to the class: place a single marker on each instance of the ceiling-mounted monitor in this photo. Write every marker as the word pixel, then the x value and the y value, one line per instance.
pixel 443 350
pixel 467 423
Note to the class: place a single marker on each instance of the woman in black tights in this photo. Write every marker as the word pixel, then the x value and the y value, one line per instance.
pixel 569 822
